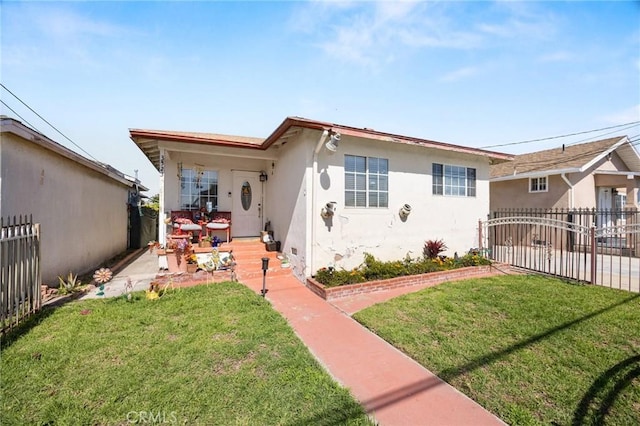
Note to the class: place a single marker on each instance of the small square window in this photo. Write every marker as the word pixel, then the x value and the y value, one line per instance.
pixel 538 184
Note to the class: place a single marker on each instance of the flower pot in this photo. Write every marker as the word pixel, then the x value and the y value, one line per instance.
pixel 172 262
pixel 192 268
pixel 204 244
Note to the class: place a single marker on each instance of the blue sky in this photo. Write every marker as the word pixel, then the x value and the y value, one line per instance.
pixel 470 73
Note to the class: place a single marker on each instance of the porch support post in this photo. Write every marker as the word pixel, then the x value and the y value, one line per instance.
pixel 592 243
pixel 632 191
pixel 162 227
pixel 632 215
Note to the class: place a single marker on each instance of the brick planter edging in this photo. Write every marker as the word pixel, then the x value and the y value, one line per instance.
pixel 430 279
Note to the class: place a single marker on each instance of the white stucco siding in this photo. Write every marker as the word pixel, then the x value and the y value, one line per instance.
pixel 288 192
pixel 82 213
pixel 342 241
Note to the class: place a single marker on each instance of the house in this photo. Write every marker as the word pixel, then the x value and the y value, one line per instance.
pixel 328 192
pixel 604 174
pixel 80 204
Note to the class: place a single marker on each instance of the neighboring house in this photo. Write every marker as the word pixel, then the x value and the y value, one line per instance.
pixel 329 193
pixel 81 204
pixel 604 174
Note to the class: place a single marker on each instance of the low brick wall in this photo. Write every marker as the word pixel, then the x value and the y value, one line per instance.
pixel 430 279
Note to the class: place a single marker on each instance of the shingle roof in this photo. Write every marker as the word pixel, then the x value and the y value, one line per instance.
pixel 556 159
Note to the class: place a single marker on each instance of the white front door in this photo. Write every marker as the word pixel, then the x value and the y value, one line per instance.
pixel 605 202
pixel 247 204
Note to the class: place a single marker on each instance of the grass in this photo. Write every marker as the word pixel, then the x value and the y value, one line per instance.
pixel 530 349
pixel 205 355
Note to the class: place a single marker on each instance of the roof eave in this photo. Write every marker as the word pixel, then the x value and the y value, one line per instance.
pixel 289 122
pixel 534 174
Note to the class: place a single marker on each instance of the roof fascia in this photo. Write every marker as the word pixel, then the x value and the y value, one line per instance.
pixel 158 136
pixel 604 154
pixel 381 136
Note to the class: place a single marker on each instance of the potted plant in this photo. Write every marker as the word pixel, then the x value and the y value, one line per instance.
pixel 177 253
pixel 205 241
pixel 192 263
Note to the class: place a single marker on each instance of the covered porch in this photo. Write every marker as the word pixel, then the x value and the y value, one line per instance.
pixel 211 185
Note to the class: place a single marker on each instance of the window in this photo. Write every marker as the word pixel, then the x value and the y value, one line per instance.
pixel 538 184
pixel 197 188
pixel 366 181
pixel 453 180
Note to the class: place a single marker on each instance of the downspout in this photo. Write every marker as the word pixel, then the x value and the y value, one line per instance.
pixel 314 214
pixel 571 201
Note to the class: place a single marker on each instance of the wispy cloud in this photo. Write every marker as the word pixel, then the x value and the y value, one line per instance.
pixel 58 34
pixel 460 74
pixel 372 33
pixel 560 56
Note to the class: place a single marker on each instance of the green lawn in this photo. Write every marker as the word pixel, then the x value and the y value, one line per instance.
pixel 206 355
pixel 530 349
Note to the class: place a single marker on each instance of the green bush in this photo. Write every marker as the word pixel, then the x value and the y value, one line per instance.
pixel 373 269
pixel 331 277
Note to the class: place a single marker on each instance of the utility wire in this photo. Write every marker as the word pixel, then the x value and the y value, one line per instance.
pixel 603 134
pixel 19 116
pixel 561 136
pixel 51 125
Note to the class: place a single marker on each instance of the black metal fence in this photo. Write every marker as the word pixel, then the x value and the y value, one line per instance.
pixel 596 246
pixel 20 276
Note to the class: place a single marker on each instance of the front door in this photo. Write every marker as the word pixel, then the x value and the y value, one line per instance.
pixel 247 204
pixel 605 202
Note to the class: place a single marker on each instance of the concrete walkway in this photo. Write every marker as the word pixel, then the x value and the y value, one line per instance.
pixel 393 388
pixel 141 269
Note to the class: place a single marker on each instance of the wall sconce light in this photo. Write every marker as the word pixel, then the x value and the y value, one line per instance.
pixel 263 176
pixel 334 140
pixel 404 211
pixel 328 210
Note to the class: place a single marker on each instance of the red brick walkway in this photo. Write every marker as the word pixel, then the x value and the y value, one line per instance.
pixel 393 388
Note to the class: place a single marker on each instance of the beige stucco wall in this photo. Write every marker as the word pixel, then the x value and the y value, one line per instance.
pixel 515 194
pixel 82 213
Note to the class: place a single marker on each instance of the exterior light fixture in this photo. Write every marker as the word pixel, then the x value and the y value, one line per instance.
pixel 263 176
pixel 265 266
pixel 334 140
pixel 328 210
pixel 404 211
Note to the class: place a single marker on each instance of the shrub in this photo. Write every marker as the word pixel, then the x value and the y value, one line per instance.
pixel 471 260
pixel 69 285
pixel 373 269
pixel 432 248
pixel 331 277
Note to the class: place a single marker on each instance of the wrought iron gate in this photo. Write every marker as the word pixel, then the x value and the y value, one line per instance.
pixel 568 243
